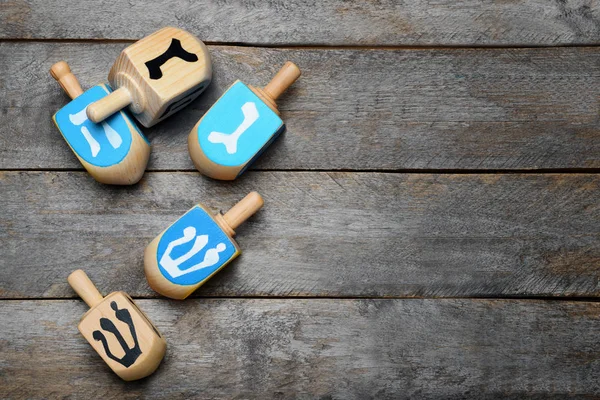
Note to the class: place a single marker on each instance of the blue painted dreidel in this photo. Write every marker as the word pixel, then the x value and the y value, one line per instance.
pixel 114 151
pixel 194 248
pixel 156 76
pixel 118 330
pixel 239 127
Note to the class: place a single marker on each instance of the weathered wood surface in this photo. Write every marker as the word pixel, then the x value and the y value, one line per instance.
pixel 319 234
pixel 330 22
pixel 352 109
pixel 341 349
pixel 382 103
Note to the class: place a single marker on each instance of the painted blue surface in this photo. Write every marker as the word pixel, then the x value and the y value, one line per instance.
pixel 227 115
pixel 193 248
pixel 102 144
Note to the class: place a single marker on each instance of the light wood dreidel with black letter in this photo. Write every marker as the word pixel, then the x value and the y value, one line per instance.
pixel 239 127
pixel 114 151
pixel 118 330
pixel 194 248
pixel 156 77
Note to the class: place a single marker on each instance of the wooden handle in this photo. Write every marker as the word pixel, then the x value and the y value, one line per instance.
pixel 62 73
pixel 243 210
pixel 283 80
pixel 84 287
pixel 107 106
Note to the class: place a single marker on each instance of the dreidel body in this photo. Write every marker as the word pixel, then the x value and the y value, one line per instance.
pixel 195 247
pixel 156 76
pixel 118 330
pixel 114 151
pixel 239 127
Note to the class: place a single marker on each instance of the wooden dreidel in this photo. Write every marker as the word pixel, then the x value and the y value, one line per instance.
pixel 156 77
pixel 114 151
pixel 239 127
pixel 118 330
pixel 195 247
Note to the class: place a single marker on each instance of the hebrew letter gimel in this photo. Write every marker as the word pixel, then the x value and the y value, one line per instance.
pixel 174 50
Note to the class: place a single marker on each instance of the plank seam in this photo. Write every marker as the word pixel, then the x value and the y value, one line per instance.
pixel 324 46
pixel 254 297
pixel 442 171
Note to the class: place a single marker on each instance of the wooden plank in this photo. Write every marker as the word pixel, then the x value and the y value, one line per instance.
pixel 329 22
pixel 342 349
pixel 351 110
pixel 319 234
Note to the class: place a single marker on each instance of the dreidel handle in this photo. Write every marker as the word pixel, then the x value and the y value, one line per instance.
pixel 108 105
pixel 62 73
pixel 286 76
pixel 85 288
pixel 243 210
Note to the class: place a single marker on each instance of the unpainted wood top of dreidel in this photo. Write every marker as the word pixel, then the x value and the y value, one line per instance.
pixel 62 73
pixel 240 212
pixel 85 288
pixel 147 96
pixel 287 75
pixel 142 340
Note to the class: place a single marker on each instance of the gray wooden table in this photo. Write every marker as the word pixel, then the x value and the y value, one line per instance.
pixel 431 225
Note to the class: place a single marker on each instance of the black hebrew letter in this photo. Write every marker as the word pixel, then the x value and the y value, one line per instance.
pixel 174 50
pixel 131 354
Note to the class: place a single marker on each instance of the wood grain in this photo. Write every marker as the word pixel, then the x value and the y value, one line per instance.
pixel 318 234
pixel 328 22
pixel 141 347
pixel 340 349
pixel 351 109
pixel 415 86
pixel 154 97
pixel 131 168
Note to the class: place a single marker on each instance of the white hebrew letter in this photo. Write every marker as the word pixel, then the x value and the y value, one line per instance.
pixel 113 136
pixel 79 118
pixel 94 145
pixel 230 140
pixel 210 258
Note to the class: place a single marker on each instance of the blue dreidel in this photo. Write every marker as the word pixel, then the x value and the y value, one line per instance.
pixel 195 247
pixel 239 127
pixel 114 151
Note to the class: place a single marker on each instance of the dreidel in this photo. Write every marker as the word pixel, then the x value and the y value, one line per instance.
pixel 156 77
pixel 118 330
pixel 114 151
pixel 239 126
pixel 195 247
